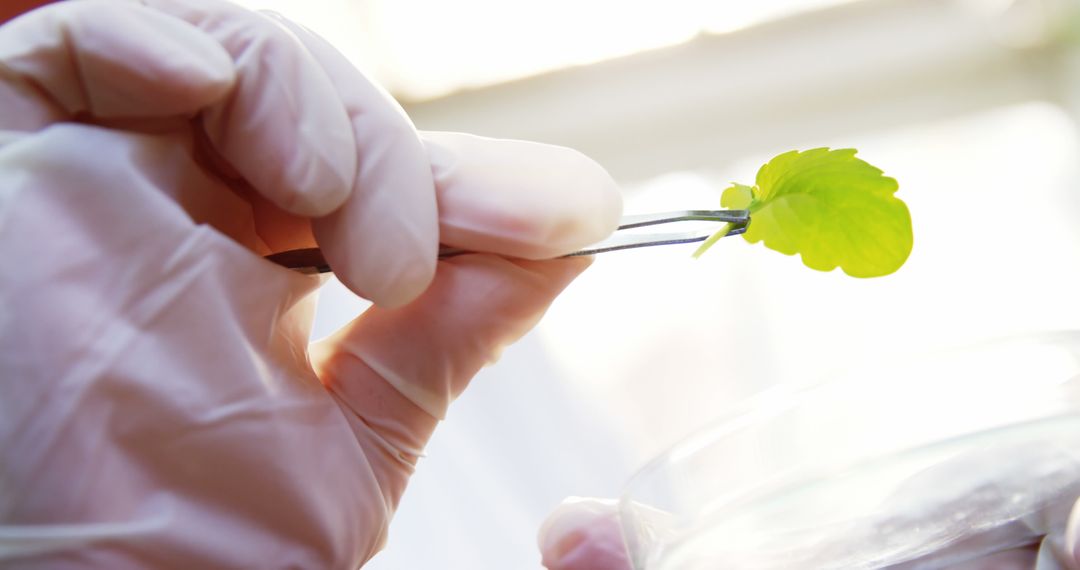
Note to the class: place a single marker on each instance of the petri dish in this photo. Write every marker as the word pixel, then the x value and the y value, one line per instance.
pixel 911 463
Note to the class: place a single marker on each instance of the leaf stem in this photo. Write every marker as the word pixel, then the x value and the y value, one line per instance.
pixel 723 231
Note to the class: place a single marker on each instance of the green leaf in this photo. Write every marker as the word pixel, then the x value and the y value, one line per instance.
pixel 738 197
pixel 833 209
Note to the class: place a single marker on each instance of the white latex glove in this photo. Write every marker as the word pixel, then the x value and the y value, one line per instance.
pixel 159 406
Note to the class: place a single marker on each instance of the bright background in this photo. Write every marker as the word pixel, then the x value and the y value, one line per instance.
pixel 971 105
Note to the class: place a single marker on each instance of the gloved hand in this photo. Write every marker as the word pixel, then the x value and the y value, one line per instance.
pixel 159 404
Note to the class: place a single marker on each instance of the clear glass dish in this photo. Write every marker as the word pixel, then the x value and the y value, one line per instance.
pixel 897 465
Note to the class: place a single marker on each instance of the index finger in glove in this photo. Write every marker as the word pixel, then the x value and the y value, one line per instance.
pixel 382 243
pixel 283 126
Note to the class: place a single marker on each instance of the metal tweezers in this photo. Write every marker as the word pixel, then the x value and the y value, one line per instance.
pixel 310 260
